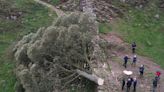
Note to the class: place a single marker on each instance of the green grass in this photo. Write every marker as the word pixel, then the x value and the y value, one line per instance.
pixel 34 16
pixel 104 28
pixel 55 2
pixel 7 78
pixel 148 32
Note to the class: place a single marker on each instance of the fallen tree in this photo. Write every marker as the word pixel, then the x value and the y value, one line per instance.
pixel 47 61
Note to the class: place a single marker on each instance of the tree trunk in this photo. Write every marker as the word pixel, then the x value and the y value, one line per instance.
pixel 93 78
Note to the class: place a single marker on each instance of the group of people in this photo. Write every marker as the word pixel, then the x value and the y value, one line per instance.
pixel 133 81
pixel 126 58
pixel 130 82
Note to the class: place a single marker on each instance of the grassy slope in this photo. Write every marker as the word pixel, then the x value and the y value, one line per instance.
pixel 104 28
pixel 142 27
pixel 34 17
pixel 55 2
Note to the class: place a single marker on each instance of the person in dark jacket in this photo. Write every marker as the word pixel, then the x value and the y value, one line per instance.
pixel 129 77
pixel 134 84
pixel 125 61
pixel 157 78
pixel 141 70
pixel 134 47
pixel 123 83
pixel 134 60
pixel 132 79
pixel 154 85
pixel 129 83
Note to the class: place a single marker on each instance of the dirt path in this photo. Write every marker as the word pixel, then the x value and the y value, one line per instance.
pixel 58 12
pixel 115 62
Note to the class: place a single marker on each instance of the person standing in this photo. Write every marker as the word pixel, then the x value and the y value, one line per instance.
pixel 141 70
pixel 158 73
pixel 134 47
pixel 129 83
pixel 130 78
pixel 125 61
pixel 154 85
pixel 123 83
pixel 134 84
pixel 157 77
pixel 134 60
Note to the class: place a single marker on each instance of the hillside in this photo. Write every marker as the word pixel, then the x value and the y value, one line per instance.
pixel 120 23
pixel 32 16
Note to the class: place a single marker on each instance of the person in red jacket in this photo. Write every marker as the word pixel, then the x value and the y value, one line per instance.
pixel 157 77
pixel 158 73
